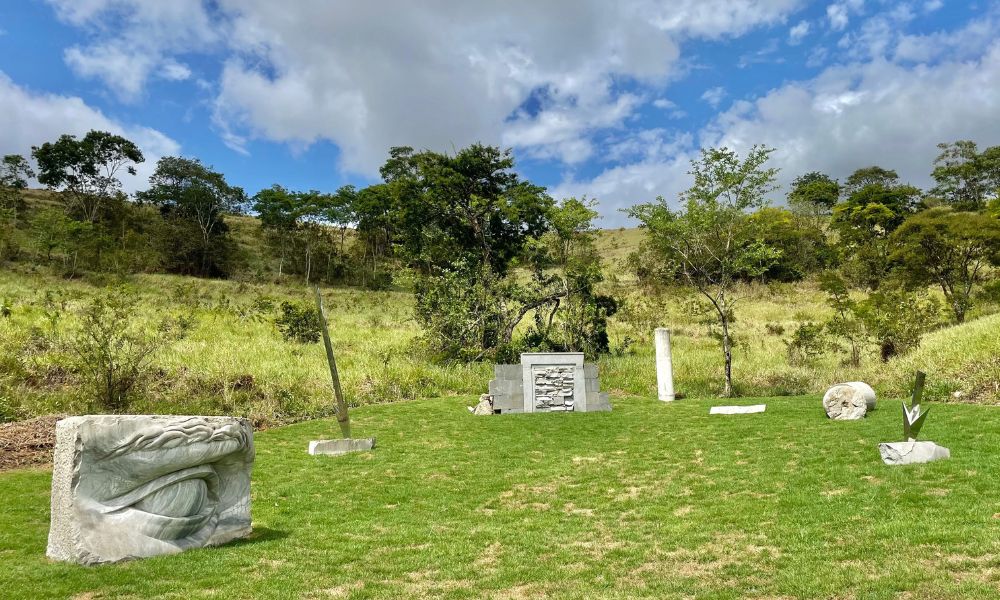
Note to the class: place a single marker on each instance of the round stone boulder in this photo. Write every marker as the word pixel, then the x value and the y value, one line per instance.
pixel 849 401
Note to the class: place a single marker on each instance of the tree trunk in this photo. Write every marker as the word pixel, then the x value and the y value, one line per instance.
pixel 727 351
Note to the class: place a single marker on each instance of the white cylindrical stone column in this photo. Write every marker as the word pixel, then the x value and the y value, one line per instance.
pixel 664 365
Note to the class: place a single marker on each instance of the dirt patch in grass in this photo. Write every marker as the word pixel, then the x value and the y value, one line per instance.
pixel 28 443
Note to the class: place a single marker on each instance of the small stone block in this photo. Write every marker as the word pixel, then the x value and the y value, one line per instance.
pixel 342 446
pixel 737 410
pixel 911 453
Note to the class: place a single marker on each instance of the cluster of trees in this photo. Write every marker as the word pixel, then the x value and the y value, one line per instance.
pixel 488 249
pixel 872 234
pixel 177 225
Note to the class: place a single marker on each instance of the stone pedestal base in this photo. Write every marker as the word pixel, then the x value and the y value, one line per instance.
pixel 911 453
pixel 342 446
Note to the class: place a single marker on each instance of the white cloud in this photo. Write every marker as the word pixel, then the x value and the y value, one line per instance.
pixel 932 5
pixel 966 42
pixel 714 96
pixel 174 71
pixel 438 74
pixel 797 33
pixel 31 119
pixel 839 13
pixel 852 115
pixel 135 40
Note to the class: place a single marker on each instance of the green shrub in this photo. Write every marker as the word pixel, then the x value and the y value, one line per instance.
pixel 112 351
pixel 299 323
pixel 808 342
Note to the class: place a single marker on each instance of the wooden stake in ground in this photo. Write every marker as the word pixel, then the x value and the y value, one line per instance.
pixel 341 407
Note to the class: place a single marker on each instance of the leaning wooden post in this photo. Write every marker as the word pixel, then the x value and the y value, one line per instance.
pixel 341 407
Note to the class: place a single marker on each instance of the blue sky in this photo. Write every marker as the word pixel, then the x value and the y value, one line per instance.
pixel 608 100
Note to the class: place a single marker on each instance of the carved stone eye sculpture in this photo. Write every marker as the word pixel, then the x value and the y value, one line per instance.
pixel 133 486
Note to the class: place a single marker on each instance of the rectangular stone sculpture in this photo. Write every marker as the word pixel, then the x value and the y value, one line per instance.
pixel 547 382
pixel 134 486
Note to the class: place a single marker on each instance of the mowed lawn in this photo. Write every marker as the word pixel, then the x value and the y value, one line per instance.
pixel 651 500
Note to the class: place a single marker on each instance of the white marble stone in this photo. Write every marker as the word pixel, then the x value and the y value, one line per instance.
pixel 912 452
pixel 849 401
pixel 133 486
pixel 737 410
pixel 664 365
pixel 341 446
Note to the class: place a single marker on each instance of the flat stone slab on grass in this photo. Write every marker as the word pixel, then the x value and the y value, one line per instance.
pixel 911 453
pixel 737 410
pixel 338 447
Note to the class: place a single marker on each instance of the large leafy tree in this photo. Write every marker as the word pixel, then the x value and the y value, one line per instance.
pixel 711 237
pixel 276 207
pixel 14 175
pixel 462 221
pixel 950 249
pixel 87 170
pixel 966 178
pixel 875 205
pixel 814 193
pixel 800 240
pixel 189 192
pixel 471 205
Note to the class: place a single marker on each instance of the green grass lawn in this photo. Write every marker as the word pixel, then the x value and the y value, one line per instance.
pixel 651 500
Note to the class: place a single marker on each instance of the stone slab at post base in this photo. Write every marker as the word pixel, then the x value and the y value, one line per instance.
pixel 341 446
pixel 664 365
pixel 911 453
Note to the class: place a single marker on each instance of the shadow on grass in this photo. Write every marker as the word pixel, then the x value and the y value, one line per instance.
pixel 260 534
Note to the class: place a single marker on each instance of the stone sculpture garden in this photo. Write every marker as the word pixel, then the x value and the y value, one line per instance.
pixel 137 486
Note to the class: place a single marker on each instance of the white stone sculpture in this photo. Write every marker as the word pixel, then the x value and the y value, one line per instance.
pixel 911 451
pixel 133 486
pixel 664 365
pixel 849 401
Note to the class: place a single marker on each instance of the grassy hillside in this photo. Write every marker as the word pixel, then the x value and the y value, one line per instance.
pixel 234 360
pixel 648 501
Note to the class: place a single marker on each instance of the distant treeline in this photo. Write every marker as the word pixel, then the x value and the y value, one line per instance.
pixel 462 224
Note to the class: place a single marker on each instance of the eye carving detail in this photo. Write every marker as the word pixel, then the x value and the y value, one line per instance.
pixel 182 499
pixel 135 486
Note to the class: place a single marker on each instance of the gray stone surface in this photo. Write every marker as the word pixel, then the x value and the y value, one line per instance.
pixel 134 486
pixel 553 382
pixel 341 446
pixel 547 382
pixel 737 410
pixel 911 453
pixel 849 401
pixel 664 365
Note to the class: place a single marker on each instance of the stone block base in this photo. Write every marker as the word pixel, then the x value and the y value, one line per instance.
pixel 342 446
pixel 911 453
